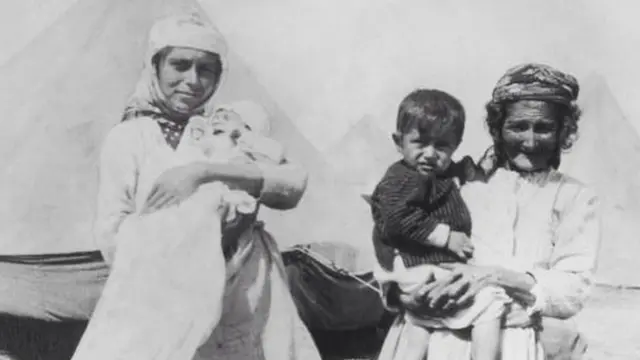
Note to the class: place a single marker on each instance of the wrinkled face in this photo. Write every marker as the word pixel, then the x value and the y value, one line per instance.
pixel 428 153
pixel 530 135
pixel 187 77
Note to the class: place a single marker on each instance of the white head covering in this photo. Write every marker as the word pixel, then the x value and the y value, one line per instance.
pixel 175 31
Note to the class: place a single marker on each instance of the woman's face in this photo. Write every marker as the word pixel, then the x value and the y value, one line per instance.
pixel 530 135
pixel 188 77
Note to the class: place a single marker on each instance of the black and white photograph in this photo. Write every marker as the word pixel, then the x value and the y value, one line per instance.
pixel 319 180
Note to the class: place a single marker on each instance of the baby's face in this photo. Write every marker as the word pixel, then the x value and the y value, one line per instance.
pixel 219 135
pixel 226 123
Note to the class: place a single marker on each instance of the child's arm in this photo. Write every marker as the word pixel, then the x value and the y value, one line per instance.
pixel 394 211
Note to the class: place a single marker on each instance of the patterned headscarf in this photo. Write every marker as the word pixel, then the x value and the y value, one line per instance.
pixel 536 82
pixel 176 31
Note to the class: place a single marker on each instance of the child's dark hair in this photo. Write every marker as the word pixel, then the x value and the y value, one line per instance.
pixel 424 108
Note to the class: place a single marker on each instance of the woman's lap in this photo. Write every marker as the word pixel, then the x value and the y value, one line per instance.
pixel 260 320
pixel 559 339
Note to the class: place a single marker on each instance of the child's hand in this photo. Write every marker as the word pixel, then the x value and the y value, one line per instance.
pixel 460 244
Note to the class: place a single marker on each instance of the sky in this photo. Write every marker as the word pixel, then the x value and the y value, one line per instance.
pixel 330 63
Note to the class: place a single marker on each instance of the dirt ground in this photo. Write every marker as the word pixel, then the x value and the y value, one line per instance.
pixel 610 321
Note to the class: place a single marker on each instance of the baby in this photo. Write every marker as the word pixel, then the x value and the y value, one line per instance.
pixel 226 137
pixel 170 263
pixel 421 220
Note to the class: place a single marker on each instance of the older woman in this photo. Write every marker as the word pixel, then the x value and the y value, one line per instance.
pixel 536 228
pixel 254 316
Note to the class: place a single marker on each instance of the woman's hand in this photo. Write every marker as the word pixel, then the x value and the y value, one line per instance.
pixel 518 317
pixel 414 301
pixel 459 288
pixel 173 186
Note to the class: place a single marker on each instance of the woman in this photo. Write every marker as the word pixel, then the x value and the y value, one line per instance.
pixel 542 225
pixel 257 318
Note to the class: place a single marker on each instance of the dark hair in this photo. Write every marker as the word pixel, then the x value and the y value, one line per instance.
pixel 160 55
pixel 566 115
pixel 424 108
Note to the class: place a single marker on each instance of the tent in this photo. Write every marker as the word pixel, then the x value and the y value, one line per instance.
pixel 363 154
pixel 607 157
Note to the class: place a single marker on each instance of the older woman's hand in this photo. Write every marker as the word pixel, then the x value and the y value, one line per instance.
pixel 414 301
pixel 459 288
pixel 173 186
pixel 436 298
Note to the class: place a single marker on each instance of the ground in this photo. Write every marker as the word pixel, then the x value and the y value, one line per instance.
pixel 610 323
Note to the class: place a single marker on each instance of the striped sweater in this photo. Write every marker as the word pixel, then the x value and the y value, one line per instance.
pixel 407 207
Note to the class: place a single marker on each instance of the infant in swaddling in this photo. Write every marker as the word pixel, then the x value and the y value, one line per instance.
pixel 169 264
pixel 227 137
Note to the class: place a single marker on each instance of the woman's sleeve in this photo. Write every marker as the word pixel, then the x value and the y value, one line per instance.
pixel 283 184
pixel 563 288
pixel 118 174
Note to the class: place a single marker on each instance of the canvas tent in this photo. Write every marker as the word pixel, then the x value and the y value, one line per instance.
pixel 363 154
pixel 607 157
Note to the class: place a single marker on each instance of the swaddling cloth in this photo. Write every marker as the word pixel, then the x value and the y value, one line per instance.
pixel 164 294
pixel 225 138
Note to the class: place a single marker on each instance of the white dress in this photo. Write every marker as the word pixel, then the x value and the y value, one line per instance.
pixel 546 225
pixel 171 295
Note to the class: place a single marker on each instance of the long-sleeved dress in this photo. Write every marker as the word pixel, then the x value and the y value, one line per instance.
pixel 240 308
pixel 545 224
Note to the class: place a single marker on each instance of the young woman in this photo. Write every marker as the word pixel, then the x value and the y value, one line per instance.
pixel 254 316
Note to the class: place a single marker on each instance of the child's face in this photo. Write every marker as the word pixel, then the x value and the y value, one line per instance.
pixel 428 154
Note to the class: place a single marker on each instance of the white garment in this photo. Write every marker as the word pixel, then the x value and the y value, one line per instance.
pixel 135 153
pixel 214 140
pixel 547 225
pixel 488 304
pixel 159 300
pixel 170 286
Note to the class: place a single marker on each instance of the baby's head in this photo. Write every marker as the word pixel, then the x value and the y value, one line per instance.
pixel 218 135
pixel 234 132
pixel 429 129
pixel 228 120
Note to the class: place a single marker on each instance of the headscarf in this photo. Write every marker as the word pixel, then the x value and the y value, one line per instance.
pixel 175 31
pixel 536 82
